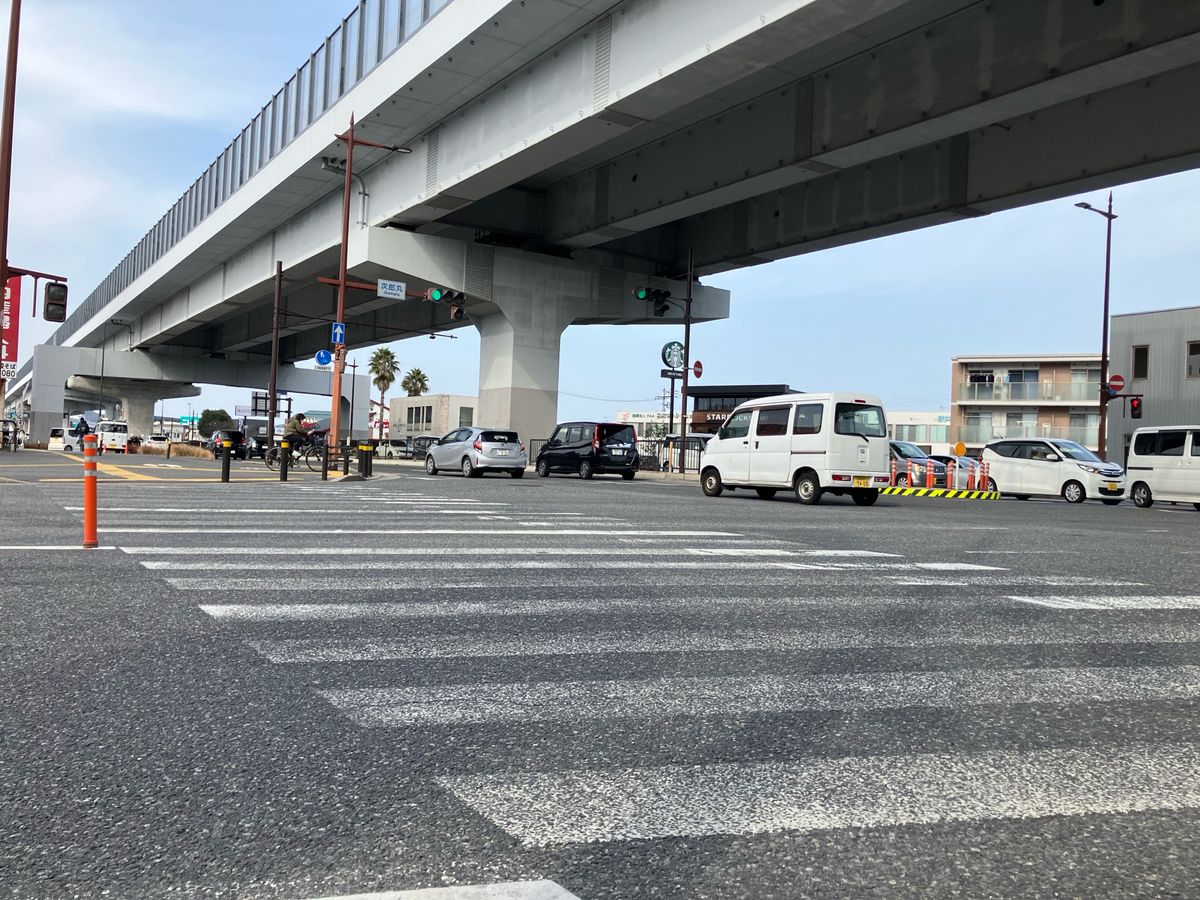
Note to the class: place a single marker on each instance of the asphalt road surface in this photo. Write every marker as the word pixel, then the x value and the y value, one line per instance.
pixel 600 689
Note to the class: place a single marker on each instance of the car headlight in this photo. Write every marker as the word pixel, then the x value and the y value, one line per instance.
pixel 1091 469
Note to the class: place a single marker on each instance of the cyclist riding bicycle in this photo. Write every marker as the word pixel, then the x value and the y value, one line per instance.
pixel 293 432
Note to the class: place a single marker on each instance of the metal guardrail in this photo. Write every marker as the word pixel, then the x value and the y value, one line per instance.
pixel 371 33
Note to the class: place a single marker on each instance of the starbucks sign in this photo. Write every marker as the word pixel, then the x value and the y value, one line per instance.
pixel 672 355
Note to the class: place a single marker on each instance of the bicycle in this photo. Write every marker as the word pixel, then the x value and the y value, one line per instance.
pixel 311 455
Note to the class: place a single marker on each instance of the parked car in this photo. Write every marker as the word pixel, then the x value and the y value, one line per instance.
pixel 1164 464
pixel 590 448
pixel 904 452
pixel 421 444
pixel 693 446
pixel 474 451
pixel 963 467
pixel 239 450
pixel 58 440
pixel 812 444
pixel 393 448
pixel 1052 467
pixel 256 447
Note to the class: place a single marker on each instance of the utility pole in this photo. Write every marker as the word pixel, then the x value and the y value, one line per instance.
pixel 1102 437
pixel 273 385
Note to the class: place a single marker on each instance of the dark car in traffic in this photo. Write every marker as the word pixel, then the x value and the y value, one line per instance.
pixel 590 448
pixel 238 448
pixel 910 457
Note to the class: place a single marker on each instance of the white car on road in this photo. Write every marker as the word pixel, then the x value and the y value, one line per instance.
pixel 1052 467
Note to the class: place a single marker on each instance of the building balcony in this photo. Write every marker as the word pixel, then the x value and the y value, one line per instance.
pixel 1089 436
pixel 1030 392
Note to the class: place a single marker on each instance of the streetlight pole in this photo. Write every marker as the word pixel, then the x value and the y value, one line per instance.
pixel 1102 438
pixel 6 143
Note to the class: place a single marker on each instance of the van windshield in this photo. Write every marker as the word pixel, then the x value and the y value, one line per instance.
pixel 618 434
pixel 860 418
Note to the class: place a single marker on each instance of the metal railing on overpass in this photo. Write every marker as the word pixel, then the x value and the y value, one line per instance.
pixel 372 32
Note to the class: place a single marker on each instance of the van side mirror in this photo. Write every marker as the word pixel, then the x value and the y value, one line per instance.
pixel 721 434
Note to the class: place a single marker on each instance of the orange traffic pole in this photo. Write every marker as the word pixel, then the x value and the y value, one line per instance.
pixel 971 478
pixel 910 474
pixel 893 479
pixel 89 491
pixel 930 477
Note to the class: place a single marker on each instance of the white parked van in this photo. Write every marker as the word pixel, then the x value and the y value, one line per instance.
pixel 112 436
pixel 1164 464
pixel 813 444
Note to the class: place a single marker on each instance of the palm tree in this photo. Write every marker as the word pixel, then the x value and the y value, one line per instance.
pixel 415 383
pixel 384 368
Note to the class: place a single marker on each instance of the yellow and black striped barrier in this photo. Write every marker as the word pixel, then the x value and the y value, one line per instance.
pixel 944 493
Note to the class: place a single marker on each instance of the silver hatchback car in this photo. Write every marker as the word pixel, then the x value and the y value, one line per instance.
pixel 474 451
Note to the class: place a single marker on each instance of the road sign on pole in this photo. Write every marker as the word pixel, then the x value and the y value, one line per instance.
pixel 673 374
pixel 324 357
pixel 338 333
pixel 391 290
pixel 1116 383
pixel 697 368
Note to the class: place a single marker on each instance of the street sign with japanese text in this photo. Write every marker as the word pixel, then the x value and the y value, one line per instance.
pixel 391 290
pixel 10 323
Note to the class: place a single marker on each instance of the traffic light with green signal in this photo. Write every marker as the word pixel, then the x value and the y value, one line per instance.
pixel 657 296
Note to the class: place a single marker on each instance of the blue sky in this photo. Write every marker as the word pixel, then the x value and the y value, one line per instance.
pixel 121 105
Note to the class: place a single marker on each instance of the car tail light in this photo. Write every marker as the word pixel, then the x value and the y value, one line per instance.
pixel 596 439
pixel 882 479
pixel 522 446
pixel 841 477
pixel 478 445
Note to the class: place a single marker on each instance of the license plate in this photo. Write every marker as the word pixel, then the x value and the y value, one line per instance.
pixel 860 481
pixel 616 451
pixel 500 452
pixel 1112 486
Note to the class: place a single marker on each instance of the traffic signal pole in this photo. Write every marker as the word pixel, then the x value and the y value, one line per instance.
pixel 687 361
pixel 6 144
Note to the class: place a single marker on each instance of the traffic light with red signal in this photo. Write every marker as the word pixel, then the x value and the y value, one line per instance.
pixel 1135 407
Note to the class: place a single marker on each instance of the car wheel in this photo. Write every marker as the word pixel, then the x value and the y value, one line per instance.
pixel 902 480
pixel 585 470
pixel 991 486
pixel 468 470
pixel 517 473
pixel 430 466
pixel 1142 498
pixel 710 483
pixel 1073 492
pixel 865 498
pixel 628 476
pixel 808 489
pixel 765 493
pixel 542 468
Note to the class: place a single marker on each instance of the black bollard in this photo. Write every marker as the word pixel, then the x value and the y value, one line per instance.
pixel 226 453
pixel 346 457
pixel 325 462
pixel 285 456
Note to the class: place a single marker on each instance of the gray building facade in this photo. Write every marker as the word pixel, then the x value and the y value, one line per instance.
pixel 1158 354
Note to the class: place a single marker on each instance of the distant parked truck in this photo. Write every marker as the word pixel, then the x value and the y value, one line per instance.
pixel 113 436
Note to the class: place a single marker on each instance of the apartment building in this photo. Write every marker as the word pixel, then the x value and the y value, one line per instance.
pixel 995 397
pixel 1158 355
pixel 431 414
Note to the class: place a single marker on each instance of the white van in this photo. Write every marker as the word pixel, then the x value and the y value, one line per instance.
pixel 1164 464
pixel 813 444
pixel 112 436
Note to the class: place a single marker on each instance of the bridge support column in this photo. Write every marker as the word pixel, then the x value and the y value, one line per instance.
pixel 518 368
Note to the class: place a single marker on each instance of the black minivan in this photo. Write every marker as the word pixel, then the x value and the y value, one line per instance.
pixel 590 448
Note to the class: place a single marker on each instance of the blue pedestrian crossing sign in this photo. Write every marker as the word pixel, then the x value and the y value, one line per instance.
pixel 339 333
pixel 324 357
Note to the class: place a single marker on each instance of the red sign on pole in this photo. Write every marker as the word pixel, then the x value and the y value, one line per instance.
pixel 697 368
pixel 10 324
pixel 1116 384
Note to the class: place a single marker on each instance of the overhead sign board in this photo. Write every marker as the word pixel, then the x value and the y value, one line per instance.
pixel 242 411
pixel 391 290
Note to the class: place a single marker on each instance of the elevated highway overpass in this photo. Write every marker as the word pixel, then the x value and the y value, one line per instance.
pixel 566 151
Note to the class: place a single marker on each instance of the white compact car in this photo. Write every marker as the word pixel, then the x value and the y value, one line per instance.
pixel 1164 464
pixel 813 444
pixel 1052 467
pixel 474 451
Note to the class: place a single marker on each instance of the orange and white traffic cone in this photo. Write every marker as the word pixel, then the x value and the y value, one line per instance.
pixel 892 482
pixel 89 492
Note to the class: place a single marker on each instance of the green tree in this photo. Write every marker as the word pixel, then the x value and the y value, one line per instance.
pixel 213 420
pixel 415 383
pixel 384 368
